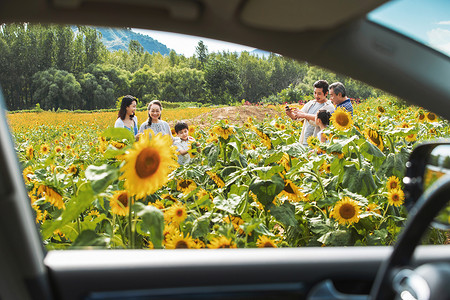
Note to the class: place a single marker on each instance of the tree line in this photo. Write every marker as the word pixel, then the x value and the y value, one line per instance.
pixel 57 67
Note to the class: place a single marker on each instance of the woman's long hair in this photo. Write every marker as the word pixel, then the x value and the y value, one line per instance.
pixel 157 102
pixel 126 101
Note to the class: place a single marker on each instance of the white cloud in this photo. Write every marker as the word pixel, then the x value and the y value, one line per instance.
pixel 440 39
pixel 444 23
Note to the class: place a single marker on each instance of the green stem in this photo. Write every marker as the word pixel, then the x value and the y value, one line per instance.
pixel 391 143
pixel 318 180
pixel 130 222
pixel 357 154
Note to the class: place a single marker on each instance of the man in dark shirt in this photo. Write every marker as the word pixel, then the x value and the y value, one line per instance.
pixel 339 97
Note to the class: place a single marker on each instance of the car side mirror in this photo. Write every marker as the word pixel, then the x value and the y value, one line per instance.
pixel 427 163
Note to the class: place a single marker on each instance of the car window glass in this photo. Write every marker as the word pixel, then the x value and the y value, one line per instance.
pixel 244 178
pixel 426 22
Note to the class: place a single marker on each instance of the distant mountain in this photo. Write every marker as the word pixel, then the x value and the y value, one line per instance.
pixel 119 38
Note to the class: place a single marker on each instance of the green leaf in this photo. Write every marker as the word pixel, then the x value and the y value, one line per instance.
pixel 284 213
pixel 212 153
pixel 267 190
pixel 90 238
pixel 200 227
pixel 228 204
pixel 152 223
pixel 74 207
pixel 359 181
pixel 101 176
pixel 119 134
pixel 273 158
pixel 372 153
pixel 336 238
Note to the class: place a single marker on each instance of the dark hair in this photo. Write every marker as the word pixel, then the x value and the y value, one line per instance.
pixel 324 116
pixel 338 88
pixel 180 126
pixel 126 101
pixel 157 102
pixel 322 84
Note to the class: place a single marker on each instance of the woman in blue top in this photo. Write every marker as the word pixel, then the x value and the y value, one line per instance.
pixel 126 117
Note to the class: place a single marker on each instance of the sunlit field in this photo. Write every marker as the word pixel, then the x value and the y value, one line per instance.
pixel 251 185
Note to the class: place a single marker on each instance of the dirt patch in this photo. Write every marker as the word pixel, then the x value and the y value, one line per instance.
pixel 236 115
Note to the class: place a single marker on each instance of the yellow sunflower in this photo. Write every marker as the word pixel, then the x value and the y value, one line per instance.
pixel 236 221
pixel 420 115
pixel 381 109
pixel 346 211
pixel 393 183
pixel 219 182
pixel 29 152
pixel 374 137
pixel 224 133
pixel 313 141
pixel 72 169
pixel 372 207
pixel 341 119
pixel 283 126
pixel 431 117
pixel 285 161
pixel 119 203
pixel 411 138
pixel 45 149
pixel 179 241
pixel 176 214
pixel 396 197
pixel 221 242
pixel 186 186
pixel 52 196
pixel 158 204
pixel 404 125
pixel 265 242
pixel 267 142
pixel 58 149
pixel 292 192
pixel 148 164
pixel 170 230
pixel 27 171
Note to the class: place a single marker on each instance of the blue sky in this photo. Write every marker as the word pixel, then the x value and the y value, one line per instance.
pixel 428 21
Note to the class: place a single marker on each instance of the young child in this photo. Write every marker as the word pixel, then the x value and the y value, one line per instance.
pixel 322 120
pixel 183 142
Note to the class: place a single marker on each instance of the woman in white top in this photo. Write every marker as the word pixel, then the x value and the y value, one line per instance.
pixel 126 116
pixel 154 121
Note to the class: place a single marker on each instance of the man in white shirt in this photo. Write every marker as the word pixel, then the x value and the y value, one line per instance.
pixel 309 111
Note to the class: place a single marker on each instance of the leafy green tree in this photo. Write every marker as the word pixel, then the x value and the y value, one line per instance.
pixel 118 77
pixel 222 80
pixel 64 48
pixel 98 92
pixel 182 85
pixel 144 81
pixel 135 47
pixel 201 53
pixel 55 89
pixel 254 77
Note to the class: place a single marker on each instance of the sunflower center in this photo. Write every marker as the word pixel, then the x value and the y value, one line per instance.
pixel 147 162
pixel 184 184
pixel 395 197
pixel 342 119
pixel 123 198
pixel 289 189
pixel 181 245
pixel 179 212
pixel 393 185
pixel 268 245
pixel 347 211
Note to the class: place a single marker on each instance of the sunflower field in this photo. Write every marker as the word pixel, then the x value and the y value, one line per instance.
pixel 251 185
